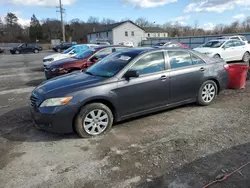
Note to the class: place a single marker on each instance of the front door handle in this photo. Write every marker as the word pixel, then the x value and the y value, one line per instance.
pixel 202 69
pixel 163 77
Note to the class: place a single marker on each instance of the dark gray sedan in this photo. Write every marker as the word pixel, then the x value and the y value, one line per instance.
pixel 126 84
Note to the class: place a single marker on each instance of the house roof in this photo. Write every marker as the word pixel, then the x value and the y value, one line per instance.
pixel 110 27
pixel 154 30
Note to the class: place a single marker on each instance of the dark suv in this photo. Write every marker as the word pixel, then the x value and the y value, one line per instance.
pixel 63 46
pixel 126 84
pixel 25 48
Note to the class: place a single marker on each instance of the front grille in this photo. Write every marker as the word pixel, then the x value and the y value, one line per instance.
pixel 33 100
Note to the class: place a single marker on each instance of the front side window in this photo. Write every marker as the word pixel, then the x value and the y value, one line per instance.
pixel 179 59
pixel 239 43
pixel 126 34
pixel 103 53
pixel 213 44
pixel 150 63
pixel 229 44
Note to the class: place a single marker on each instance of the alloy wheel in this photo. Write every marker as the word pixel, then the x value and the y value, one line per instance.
pixel 208 93
pixel 95 122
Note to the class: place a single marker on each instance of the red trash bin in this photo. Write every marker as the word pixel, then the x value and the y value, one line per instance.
pixel 237 76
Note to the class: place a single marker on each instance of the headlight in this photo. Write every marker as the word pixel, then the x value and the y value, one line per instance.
pixel 56 101
pixel 57 69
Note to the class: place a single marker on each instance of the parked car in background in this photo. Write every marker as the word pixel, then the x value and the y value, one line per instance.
pixel 129 44
pixel 63 46
pixel 70 52
pixel 229 50
pixel 236 37
pixel 103 43
pixel 25 48
pixel 170 44
pixel 126 84
pixel 80 62
pixel 1 50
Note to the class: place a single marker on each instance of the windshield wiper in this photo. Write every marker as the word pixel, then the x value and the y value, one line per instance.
pixel 89 73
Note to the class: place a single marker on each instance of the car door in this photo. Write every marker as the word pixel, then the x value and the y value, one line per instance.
pixel 187 71
pixel 24 48
pixel 150 90
pixel 228 51
pixel 30 48
pixel 240 49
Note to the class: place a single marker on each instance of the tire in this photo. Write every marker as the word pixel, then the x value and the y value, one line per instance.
pixel 17 52
pixel 246 57
pixel 88 126
pixel 59 50
pixel 217 56
pixel 207 93
pixel 36 51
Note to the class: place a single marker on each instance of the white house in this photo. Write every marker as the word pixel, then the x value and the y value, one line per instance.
pixel 126 31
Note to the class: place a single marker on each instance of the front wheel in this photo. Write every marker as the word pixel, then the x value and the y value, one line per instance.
pixel 207 93
pixel 36 51
pixel 93 120
pixel 17 52
pixel 217 56
pixel 246 57
pixel 59 50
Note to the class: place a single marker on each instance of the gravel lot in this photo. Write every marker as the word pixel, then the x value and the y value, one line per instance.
pixel 180 148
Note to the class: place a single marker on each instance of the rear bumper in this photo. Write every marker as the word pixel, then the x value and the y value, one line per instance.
pixel 54 119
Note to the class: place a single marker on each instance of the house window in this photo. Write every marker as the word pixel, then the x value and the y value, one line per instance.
pixel 159 34
pixel 148 34
pixel 126 34
pixel 132 33
pixel 107 34
pixel 96 34
pixel 164 34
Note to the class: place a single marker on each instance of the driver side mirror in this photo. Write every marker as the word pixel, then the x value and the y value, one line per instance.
pixel 131 74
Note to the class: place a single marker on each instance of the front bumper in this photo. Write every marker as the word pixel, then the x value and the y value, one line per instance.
pixel 54 119
pixel 49 74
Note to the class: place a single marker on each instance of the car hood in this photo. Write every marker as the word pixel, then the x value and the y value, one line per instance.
pixel 204 50
pixel 67 84
pixel 60 62
pixel 56 56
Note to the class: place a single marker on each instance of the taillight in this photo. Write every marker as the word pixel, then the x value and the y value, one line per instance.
pixel 226 66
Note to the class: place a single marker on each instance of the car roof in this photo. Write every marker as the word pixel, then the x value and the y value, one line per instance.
pixel 108 46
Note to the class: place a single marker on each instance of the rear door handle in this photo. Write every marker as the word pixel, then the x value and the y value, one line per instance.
pixel 163 77
pixel 202 69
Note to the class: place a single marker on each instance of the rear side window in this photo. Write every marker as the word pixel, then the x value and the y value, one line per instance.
pixel 179 59
pixel 150 63
pixel 196 60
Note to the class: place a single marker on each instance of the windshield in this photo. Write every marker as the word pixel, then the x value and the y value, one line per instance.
pixel 213 44
pixel 111 65
pixel 85 54
pixel 68 50
pixel 20 45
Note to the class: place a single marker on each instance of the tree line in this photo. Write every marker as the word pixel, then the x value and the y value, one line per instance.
pixel 77 30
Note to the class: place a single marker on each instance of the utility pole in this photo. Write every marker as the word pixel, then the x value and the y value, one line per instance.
pixel 61 10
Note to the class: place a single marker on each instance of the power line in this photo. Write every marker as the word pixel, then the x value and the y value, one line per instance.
pixel 62 11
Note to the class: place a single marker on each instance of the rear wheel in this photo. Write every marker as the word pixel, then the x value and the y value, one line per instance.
pixel 36 51
pixel 246 57
pixel 207 93
pixel 59 50
pixel 93 120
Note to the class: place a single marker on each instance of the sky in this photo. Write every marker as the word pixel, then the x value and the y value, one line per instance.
pixel 207 13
